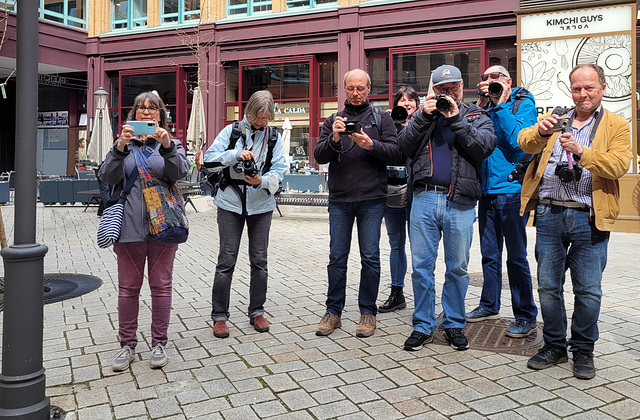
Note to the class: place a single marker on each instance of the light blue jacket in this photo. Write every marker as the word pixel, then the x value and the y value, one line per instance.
pixel 259 198
pixel 497 167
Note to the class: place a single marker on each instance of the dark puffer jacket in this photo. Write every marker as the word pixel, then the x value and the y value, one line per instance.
pixel 356 174
pixel 474 141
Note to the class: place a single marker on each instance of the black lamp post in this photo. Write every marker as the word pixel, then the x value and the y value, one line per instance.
pixel 22 381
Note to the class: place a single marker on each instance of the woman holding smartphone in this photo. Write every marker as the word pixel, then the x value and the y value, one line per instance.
pixel 168 161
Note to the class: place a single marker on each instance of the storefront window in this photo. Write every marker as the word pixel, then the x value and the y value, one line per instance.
pixel 379 73
pixel 67 12
pixel 179 11
pixel 247 7
pixel 329 79
pixel 163 83
pixel 414 68
pixel 128 14
pixel 507 58
pixel 283 80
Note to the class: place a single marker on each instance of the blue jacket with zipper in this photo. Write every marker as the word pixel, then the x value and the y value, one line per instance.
pixel 497 167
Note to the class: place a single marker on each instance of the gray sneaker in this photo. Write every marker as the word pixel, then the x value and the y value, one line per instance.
pixel 123 359
pixel 480 314
pixel 521 329
pixel 158 357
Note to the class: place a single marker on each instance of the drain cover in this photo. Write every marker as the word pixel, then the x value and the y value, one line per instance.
pixel 58 287
pixel 489 335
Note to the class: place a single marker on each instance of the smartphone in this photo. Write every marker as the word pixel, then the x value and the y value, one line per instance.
pixel 143 127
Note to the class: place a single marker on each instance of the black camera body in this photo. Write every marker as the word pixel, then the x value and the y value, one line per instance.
pixel 495 89
pixel 567 174
pixel 442 104
pixel 399 114
pixel 247 167
pixel 351 127
pixel 517 174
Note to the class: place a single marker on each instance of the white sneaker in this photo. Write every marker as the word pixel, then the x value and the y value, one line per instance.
pixel 158 357
pixel 123 359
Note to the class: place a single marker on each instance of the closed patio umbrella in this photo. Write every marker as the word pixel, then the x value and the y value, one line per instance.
pixel 286 138
pixel 101 136
pixel 196 132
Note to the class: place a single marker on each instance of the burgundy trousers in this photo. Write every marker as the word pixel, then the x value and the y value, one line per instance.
pixel 132 257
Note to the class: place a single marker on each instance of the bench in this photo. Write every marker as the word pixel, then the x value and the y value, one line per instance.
pixel 188 189
pixel 96 198
pixel 301 199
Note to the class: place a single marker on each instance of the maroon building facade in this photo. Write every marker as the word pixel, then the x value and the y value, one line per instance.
pixel 302 58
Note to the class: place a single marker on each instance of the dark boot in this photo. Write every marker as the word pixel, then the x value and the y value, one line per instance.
pixel 395 301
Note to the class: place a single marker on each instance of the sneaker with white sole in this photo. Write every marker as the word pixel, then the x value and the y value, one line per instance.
pixel 159 357
pixel 123 359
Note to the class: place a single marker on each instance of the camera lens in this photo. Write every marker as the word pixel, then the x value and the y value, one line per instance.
pixel 495 89
pixel 442 104
pixel 399 114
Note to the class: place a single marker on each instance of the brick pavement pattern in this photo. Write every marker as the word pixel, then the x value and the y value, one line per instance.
pixel 289 372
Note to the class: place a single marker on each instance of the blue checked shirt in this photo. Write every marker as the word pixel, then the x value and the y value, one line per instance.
pixel 552 187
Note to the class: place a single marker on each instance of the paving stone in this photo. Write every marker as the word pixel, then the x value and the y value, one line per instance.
pixel 130 410
pixel 465 394
pixel 328 396
pixel 493 405
pixel 531 395
pixel 335 409
pixel 280 382
pixel 240 413
pixel 163 407
pixel 626 409
pixel 579 398
pixel 404 393
pixel 358 393
pixel 445 404
pixel 297 399
pixel 560 407
pixel 251 397
pixel 92 397
pixel 97 412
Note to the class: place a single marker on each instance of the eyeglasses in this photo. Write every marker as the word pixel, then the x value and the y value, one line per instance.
pixel 493 75
pixel 152 109
pixel 443 89
pixel 351 88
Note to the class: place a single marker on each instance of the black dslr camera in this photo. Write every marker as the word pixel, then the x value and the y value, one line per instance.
pixel 567 174
pixel 495 89
pixel 518 173
pixel 247 167
pixel 351 127
pixel 442 104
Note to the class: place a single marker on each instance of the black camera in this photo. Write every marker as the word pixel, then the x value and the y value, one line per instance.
pixel 351 127
pixel 247 167
pixel 399 114
pixel 517 174
pixel 567 174
pixel 563 124
pixel 442 103
pixel 495 89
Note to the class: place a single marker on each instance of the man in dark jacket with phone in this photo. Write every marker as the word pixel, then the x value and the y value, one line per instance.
pixel 357 142
pixel 447 142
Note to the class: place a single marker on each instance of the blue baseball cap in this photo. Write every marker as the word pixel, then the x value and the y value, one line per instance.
pixel 446 74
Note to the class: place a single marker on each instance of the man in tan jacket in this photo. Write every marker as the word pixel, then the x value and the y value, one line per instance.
pixel 572 184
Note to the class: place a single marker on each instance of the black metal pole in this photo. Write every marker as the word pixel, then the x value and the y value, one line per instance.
pixel 22 381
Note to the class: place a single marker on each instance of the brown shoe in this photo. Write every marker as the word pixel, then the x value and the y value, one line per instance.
pixel 220 329
pixel 367 325
pixel 260 324
pixel 328 323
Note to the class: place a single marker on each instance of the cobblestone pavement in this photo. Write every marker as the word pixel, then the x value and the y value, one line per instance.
pixel 289 372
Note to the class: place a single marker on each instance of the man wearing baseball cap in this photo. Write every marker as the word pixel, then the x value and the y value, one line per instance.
pixel 447 143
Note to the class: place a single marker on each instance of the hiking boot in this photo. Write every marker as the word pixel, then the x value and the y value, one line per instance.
pixel 456 338
pixel 367 325
pixel 521 329
pixel 158 357
pixel 328 323
pixel 260 323
pixel 220 329
pixel 395 301
pixel 547 356
pixel 417 340
pixel 123 359
pixel 583 367
pixel 480 314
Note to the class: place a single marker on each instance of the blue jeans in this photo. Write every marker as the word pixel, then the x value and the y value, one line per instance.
pixel 395 219
pixel 230 227
pixel 432 218
pixel 499 224
pixel 368 216
pixel 566 239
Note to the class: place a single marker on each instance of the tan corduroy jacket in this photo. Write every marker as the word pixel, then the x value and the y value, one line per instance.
pixel 608 159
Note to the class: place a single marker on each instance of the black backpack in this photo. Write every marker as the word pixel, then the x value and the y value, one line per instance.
pixel 221 178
